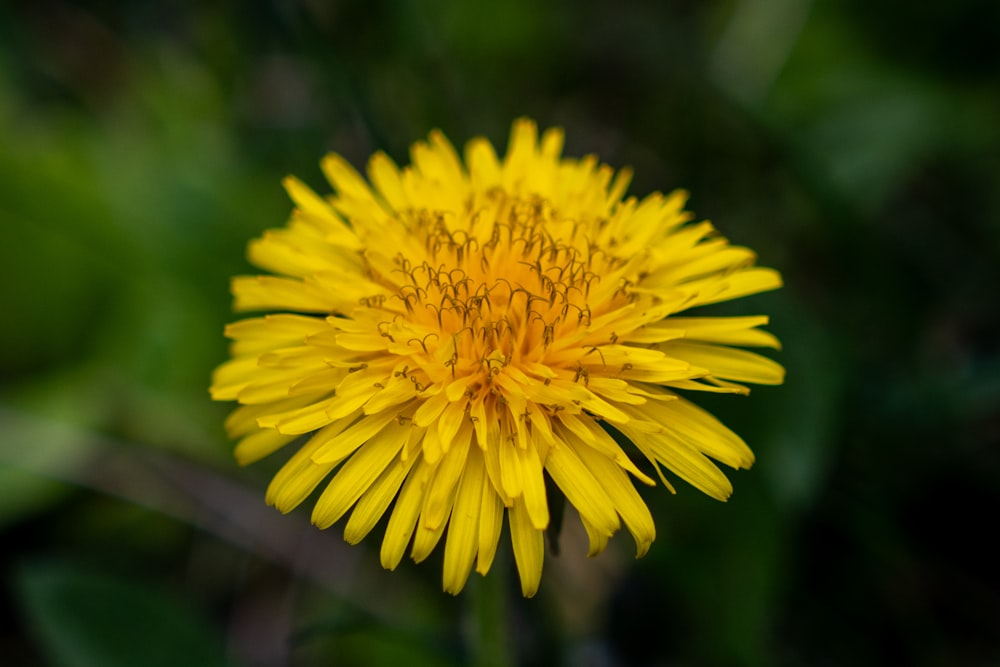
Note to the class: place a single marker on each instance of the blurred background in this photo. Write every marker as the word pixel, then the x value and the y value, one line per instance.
pixel 854 145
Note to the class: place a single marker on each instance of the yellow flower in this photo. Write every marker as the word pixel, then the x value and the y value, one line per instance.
pixel 452 332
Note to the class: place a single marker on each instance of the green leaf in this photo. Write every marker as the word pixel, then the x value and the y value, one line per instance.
pixel 89 619
pixel 24 494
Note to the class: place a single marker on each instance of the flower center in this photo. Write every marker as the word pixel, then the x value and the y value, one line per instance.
pixel 506 285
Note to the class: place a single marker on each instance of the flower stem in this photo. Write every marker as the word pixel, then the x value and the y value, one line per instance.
pixel 490 641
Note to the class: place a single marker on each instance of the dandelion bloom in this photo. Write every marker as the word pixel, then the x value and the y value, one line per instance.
pixel 452 333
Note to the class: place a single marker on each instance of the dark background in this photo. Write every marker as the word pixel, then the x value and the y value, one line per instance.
pixel 854 145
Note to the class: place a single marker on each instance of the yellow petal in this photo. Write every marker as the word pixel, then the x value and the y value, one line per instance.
pixel 292 253
pixel 725 330
pixel 274 293
pixel 384 174
pixel 619 185
pixel 463 528
pixel 358 474
pixel 375 501
pixel 533 486
pixel 350 399
pixel 494 469
pixel 299 476
pixel 404 515
pixel 726 362
pixel 258 334
pixel 703 432
pixel 441 492
pixel 344 178
pixel 299 420
pixel 591 434
pixel 396 391
pixel 452 419
pixel 684 460
pixel 529 549
pixel 484 167
pixel 581 489
pixel 490 525
pixel 431 446
pixel 232 376
pixel 450 167
pixel 510 468
pixel 260 444
pixel 344 443
pixel 742 283
pixel 276 384
pixel 521 148
pixel 430 409
pixel 425 538
pixel 552 143
pixel 624 497
pixel 598 538
pixel 321 379
pixel 243 420
pixel 314 209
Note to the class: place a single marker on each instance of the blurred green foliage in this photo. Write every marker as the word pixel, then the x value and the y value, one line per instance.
pixel 855 146
pixel 95 620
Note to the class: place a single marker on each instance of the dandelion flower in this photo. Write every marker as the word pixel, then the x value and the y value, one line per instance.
pixel 453 335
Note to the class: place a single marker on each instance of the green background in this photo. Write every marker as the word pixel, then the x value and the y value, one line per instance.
pixel 854 145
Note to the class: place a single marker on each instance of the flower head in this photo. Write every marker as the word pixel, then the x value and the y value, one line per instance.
pixel 450 334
